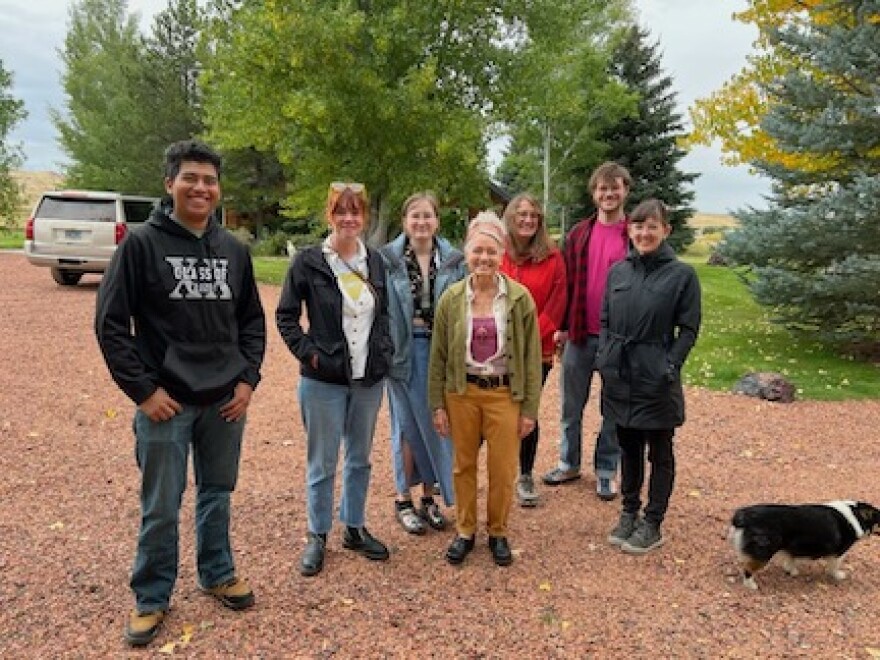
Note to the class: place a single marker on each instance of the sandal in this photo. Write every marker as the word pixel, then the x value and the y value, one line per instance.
pixel 430 512
pixel 409 519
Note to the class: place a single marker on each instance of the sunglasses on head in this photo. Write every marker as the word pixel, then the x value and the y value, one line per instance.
pixel 342 186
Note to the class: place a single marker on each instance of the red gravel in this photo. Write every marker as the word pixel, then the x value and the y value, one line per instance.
pixel 69 516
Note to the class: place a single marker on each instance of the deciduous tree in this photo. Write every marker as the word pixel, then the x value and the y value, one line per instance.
pixel 391 94
pixel 11 112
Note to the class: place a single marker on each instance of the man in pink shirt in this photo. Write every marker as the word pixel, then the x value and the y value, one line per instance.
pixel 591 248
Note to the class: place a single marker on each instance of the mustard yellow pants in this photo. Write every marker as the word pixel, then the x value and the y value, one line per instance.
pixel 490 414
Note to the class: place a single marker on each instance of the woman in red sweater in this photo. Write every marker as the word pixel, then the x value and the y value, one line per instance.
pixel 533 260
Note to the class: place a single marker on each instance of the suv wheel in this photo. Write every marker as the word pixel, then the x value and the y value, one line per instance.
pixel 66 277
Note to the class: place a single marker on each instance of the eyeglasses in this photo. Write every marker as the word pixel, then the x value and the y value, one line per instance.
pixel 342 186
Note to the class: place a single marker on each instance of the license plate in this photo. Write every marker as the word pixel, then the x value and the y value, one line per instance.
pixel 73 234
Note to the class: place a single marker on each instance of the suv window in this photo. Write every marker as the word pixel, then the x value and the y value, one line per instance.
pixel 137 211
pixel 77 209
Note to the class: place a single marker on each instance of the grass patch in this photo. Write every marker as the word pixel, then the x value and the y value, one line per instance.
pixel 270 270
pixel 11 239
pixel 738 336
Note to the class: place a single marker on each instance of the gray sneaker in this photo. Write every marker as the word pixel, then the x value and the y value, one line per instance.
pixel 625 527
pixel 525 491
pixel 558 476
pixel 647 537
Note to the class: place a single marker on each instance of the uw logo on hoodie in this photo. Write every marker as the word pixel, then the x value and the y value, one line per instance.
pixel 200 278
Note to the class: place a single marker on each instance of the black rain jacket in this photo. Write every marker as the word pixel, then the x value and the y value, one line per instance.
pixel 311 281
pixel 650 321
pixel 180 312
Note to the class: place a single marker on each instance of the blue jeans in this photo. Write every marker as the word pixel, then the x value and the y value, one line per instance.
pixel 576 379
pixel 411 425
pixel 162 451
pixel 333 415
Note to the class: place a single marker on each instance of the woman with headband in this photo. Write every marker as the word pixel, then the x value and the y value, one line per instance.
pixel 484 383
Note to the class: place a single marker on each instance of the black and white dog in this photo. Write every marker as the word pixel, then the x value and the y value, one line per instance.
pixel 807 531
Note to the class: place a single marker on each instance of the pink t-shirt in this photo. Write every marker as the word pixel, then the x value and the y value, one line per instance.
pixel 605 250
pixel 484 338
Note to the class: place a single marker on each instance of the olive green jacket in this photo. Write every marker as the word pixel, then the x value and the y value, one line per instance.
pixel 446 370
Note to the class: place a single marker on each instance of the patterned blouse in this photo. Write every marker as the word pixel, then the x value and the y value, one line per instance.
pixel 422 291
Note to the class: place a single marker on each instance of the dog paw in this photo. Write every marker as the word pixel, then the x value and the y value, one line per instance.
pixel 749 583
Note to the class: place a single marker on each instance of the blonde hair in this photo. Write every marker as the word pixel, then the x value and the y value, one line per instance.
pixel 540 245
pixel 488 224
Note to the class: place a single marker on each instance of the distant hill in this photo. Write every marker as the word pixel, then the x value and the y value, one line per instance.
pixel 34 184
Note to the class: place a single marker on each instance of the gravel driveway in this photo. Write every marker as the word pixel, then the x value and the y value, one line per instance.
pixel 69 516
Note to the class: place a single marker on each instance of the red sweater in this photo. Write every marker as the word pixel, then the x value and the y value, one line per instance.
pixel 545 280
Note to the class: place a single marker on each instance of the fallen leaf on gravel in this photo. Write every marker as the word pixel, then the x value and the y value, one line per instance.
pixel 111 413
pixel 188 632
pixel 545 586
pixel 57 525
pixel 168 649
pixel 347 601
pixel 695 493
pixel 565 625
pixel 746 453
pixel 874 653
pixel 33 434
pixel 678 560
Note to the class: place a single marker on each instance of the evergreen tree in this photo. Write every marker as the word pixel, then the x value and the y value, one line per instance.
pixel 11 112
pixel 646 143
pixel 815 253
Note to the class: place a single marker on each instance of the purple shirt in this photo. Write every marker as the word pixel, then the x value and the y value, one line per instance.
pixel 484 338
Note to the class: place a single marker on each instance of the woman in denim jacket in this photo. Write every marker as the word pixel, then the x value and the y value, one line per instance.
pixel 420 266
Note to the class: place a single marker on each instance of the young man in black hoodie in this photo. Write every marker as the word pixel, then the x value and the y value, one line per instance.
pixel 182 330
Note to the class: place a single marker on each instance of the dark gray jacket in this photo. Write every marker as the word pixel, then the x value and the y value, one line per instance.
pixel 650 322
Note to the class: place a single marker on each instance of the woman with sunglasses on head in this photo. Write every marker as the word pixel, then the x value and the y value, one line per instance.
pixel 420 265
pixel 485 383
pixel 344 352
pixel 533 260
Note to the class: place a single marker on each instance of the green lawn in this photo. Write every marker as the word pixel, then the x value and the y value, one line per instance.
pixel 11 239
pixel 737 337
pixel 271 270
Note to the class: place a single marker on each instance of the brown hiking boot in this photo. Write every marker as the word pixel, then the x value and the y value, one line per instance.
pixel 234 594
pixel 143 627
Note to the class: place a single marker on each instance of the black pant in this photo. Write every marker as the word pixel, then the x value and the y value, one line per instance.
pixel 529 446
pixel 632 470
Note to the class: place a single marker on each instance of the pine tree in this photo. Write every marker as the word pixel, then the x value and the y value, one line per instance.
pixel 646 142
pixel 814 255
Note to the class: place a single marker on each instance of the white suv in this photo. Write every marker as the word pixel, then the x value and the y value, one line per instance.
pixel 76 231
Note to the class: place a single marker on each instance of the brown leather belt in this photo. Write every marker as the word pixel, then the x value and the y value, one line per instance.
pixel 488 382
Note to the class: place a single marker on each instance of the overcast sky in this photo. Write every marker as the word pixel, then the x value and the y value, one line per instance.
pixel 701 45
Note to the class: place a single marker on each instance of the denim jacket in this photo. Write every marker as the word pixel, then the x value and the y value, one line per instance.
pixel 450 269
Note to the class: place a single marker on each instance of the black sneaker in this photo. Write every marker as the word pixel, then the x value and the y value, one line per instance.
pixel 360 540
